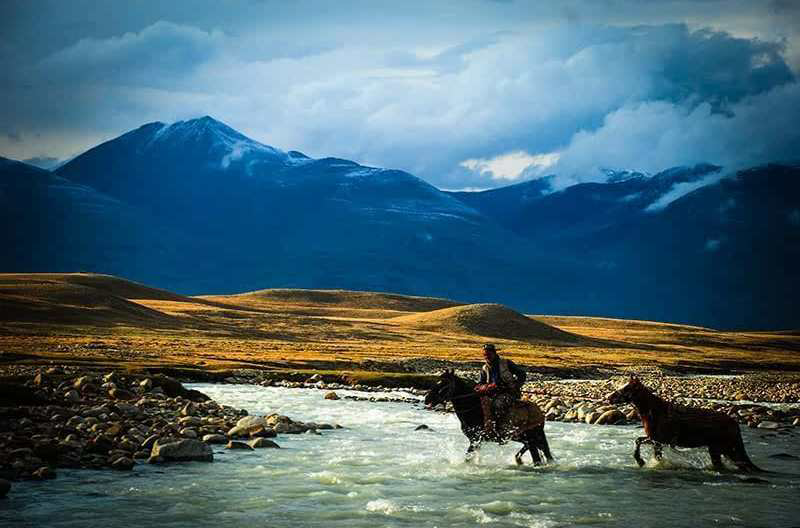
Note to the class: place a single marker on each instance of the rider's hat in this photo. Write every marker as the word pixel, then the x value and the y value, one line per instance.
pixel 489 346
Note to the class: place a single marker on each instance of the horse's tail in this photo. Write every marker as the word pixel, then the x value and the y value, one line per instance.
pixel 741 458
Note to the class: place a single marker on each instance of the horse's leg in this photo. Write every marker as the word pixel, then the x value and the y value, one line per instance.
pixel 658 451
pixel 471 448
pixel 738 456
pixel 537 459
pixel 542 444
pixel 518 456
pixel 716 458
pixel 637 452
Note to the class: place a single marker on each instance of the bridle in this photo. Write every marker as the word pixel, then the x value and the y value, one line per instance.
pixel 452 388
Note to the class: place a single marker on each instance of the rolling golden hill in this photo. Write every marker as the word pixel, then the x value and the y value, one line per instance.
pixel 94 318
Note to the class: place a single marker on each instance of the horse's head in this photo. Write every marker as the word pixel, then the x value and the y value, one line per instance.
pixel 626 392
pixel 443 390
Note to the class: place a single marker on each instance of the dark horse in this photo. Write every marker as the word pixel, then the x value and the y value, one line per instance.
pixel 528 421
pixel 675 425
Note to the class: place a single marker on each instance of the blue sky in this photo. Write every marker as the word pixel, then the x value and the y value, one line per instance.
pixel 467 94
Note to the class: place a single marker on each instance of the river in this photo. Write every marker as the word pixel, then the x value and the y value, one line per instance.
pixel 379 471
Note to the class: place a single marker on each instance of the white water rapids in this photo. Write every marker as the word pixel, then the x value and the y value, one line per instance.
pixel 379 471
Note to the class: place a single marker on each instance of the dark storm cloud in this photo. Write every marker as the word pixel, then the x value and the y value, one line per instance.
pixel 432 88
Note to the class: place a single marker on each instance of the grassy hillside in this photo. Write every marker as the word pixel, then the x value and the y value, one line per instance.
pixel 103 319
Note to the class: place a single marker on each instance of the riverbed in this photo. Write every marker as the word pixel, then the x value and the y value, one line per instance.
pixel 380 471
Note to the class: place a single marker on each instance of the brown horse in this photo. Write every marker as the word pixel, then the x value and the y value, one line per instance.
pixel 526 420
pixel 667 423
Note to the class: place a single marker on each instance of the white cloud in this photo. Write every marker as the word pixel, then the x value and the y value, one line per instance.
pixel 459 109
pixel 512 165
pixel 653 136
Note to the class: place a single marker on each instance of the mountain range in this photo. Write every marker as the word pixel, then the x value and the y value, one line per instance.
pixel 197 207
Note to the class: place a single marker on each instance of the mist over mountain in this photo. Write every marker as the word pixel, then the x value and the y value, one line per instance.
pixel 198 207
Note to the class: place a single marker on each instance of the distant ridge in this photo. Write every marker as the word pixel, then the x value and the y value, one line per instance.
pixel 345 299
pixel 489 320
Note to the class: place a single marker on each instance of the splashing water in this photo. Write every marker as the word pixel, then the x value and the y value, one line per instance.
pixel 379 471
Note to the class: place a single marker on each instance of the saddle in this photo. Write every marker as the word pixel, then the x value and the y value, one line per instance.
pixel 525 415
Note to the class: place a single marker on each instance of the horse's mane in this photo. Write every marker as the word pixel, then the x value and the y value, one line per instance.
pixel 464 387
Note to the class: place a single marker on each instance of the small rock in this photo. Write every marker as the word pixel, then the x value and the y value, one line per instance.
pixel 422 427
pixel 331 396
pixel 113 430
pixel 127 408
pixel 82 382
pixel 190 409
pixel 123 464
pixel 44 473
pixel 146 384
pixel 99 445
pixel 188 432
pixel 262 432
pixel 768 424
pixel 190 421
pixel 237 445
pixel 215 439
pixel 262 442
pixel 149 441
pixel 72 396
pixel 121 394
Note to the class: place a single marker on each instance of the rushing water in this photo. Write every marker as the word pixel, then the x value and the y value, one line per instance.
pixel 379 471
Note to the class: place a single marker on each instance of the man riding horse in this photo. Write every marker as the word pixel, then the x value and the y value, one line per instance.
pixel 499 387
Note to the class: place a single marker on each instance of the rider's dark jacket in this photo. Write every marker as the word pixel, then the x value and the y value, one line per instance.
pixel 493 373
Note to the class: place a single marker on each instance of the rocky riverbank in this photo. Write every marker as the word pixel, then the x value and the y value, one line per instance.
pixel 73 417
pixel 68 417
pixel 585 400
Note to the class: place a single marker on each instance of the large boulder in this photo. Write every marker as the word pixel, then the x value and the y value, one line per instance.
pixel 186 450
pixel 610 417
pixel 238 445
pixel 173 388
pixel 251 421
pixel 259 443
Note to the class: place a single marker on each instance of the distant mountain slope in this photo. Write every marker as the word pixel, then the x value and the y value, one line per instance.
pixel 199 208
pixel 505 203
pixel 254 215
pixel 717 250
pixel 54 224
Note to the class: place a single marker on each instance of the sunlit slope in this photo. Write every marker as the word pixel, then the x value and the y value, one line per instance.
pixel 337 303
pixel 491 321
pixel 105 319
pixel 79 299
